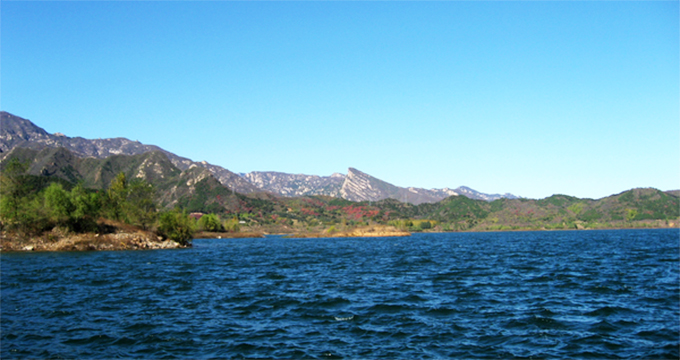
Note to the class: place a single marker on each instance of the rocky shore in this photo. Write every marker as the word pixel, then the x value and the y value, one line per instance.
pixel 58 240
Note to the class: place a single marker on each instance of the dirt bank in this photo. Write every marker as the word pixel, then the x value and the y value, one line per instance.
pixel 368 231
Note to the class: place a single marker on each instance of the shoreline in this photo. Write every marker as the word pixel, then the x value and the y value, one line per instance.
pixel 571 229
pixel 89 242
pixel 227 235
pixel 340 235
pixel 364 231
pixel 112 236
pixel 137 239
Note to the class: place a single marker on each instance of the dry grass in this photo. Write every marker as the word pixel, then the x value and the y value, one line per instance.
pixel 365 231
pixel 227 235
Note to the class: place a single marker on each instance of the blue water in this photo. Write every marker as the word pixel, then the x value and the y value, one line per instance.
pixel 572 294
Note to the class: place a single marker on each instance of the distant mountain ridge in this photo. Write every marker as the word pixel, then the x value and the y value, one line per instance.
pixel 16 132
pixel 296 184
pixel 358 198
pixel 357 186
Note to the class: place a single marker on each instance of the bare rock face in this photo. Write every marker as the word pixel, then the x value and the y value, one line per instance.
pixel 355 186
pixel 359 186
pixel 296 184
pixel 19 132
pixel 15 131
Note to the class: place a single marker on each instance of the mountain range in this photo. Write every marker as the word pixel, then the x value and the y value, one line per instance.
pixel 280 202
pixel 17 132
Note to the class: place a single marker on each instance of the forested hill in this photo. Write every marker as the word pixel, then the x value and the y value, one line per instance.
pixel 642 206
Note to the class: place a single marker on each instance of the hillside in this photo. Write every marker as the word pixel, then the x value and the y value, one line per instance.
pixel 16 132
pixel 312 201
pixel 628 209
pixel 195 189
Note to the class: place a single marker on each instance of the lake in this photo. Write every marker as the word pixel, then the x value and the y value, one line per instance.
pixel 566 294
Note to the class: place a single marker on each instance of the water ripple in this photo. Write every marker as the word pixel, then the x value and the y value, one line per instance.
pixel 594 294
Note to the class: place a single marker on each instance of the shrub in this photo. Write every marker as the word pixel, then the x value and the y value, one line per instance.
pixel 210 222
pixel 176 225
pixel 77 210
pixel 58 203
pixel 140 206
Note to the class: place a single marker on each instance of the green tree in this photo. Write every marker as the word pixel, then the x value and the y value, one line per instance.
pixel 13 190
pixel 132 202
pixel 116 197
pixel 176 225
pixel 33 217
pixel 232 225
pixel 85 204
pixel 86 208
pixel 210 222
pixel 58 204
pixel 140 204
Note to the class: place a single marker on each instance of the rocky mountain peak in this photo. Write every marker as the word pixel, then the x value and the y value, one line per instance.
pixel 15 130
pixel 359 186
pixel 295 184
pixel 19 132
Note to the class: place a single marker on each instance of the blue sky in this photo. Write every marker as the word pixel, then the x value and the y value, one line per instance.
pixel 532 98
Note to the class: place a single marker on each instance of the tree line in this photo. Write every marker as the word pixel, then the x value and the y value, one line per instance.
pixel 32 205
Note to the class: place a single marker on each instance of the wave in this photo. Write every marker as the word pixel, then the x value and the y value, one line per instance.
pixel 444 296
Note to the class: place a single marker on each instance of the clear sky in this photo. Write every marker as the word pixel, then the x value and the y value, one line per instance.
pixel 532 98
